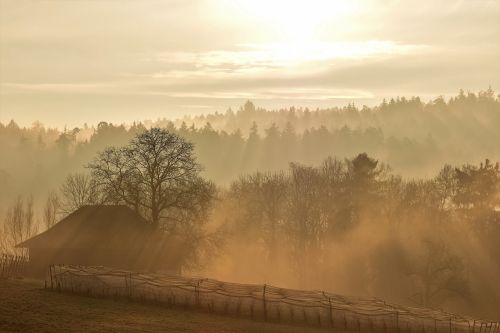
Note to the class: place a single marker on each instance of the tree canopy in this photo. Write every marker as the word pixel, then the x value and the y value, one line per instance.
pixel 157 175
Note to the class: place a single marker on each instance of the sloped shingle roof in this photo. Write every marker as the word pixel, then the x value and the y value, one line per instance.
pixel 100 226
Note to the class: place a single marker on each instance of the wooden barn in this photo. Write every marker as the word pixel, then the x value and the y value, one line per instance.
pixel 102 235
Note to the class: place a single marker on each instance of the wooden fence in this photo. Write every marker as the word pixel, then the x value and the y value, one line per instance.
pixel 12 266
pixel 314 308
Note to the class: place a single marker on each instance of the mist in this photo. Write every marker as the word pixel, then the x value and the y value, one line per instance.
pixel 326 149
pixel 408 241
pixel 397 202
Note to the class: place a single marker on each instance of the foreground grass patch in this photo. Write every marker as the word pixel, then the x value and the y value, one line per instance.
pixel 25 306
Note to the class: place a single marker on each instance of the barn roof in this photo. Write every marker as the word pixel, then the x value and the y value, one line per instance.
pixel 99 226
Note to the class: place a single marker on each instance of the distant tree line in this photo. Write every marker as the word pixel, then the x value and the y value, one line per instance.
pixel 414 137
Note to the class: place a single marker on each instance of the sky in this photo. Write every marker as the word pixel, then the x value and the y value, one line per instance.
pixel 70 62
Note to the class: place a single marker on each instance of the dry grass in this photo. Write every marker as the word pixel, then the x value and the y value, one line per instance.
pixel 26 307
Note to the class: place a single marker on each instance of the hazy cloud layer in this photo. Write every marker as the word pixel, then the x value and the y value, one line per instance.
pixel 65 62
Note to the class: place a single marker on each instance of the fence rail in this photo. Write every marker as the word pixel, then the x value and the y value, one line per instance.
pixel 314 308
pixel 12 266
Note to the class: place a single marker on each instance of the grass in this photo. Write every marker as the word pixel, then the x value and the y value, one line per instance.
pixel 25 306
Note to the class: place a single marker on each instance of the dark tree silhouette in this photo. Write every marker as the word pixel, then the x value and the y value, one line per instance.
pixel 51 209
pixel 156 174
pixel 19 225
pixel 78 190
pixel 477 187
pixel 437 275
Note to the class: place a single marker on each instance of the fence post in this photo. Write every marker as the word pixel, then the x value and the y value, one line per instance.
pixel 2 263
pixel 197 290
pixel 331 313
pixel 51 281
pixel 130 285
pixel 264 301
pixel 397 321
pixel 7 266
pixel 128 281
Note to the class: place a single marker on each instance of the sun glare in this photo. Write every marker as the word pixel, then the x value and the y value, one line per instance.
pixel 294 21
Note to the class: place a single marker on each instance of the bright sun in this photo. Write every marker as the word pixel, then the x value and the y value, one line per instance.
pixel 292 32
pixel 297 20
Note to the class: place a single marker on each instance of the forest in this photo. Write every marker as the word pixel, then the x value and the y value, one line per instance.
pixel 399 201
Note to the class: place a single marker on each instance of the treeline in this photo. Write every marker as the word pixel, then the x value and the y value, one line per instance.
pixel 397 116
pixel 353 226
pixel 414 137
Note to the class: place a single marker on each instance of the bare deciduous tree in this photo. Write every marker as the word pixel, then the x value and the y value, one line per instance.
pixel 261 198
pixel 438 275
pixel 51 210
pixel 158 176
pixel 79 190
pixel 306 222
pixel 19 224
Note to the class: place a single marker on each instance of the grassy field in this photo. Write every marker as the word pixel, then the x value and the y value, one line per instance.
pixel 25 306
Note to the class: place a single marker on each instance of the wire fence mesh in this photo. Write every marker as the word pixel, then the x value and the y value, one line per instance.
pixel 312 308
pixel 12 266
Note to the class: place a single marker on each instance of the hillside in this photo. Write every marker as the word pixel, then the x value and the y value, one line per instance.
pixel 27 307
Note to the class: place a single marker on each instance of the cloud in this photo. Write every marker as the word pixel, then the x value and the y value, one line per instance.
pixel 288 94
pixel 360 72
pixel 145 56
pixel 259 58
pixel 93 88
